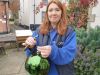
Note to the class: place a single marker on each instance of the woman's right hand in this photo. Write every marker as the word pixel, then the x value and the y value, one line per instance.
pixel 30 42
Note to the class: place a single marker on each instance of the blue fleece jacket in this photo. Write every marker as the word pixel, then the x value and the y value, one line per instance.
pixel 59 56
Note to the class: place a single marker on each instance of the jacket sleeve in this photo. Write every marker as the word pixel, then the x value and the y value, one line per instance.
pixel 66 54
pixel 28 51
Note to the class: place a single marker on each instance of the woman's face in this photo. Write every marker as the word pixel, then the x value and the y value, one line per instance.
pixel 54 13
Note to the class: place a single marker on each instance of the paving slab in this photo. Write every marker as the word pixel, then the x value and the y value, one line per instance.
pixel 12 63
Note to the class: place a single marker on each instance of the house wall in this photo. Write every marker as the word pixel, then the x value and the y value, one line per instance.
pixel 96 12
pixel 26 13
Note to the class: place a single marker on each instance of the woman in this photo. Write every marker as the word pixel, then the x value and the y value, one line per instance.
pixel 55 24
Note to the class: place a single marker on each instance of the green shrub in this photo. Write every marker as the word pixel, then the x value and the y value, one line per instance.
pixel 88 61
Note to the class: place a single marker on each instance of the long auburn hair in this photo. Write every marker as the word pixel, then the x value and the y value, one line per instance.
pixel 62 24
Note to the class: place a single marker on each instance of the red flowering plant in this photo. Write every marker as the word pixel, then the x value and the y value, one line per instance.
pixel 77 12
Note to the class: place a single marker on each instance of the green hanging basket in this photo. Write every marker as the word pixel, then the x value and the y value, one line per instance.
pixel 36 65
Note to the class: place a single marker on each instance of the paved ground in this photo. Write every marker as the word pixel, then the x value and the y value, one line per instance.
pixel 13 62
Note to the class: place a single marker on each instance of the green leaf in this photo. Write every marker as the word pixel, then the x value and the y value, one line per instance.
pixel 34 60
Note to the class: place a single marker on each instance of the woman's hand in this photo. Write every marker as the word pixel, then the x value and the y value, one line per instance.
pixel 45 51
pixel 30 42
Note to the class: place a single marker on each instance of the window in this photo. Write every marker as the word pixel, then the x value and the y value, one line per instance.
pixel 43 14
pixel 45 1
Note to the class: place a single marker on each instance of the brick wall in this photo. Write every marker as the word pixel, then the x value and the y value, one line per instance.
pixel 3 22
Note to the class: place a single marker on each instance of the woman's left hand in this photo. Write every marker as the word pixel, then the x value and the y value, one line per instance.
pixel 44 50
